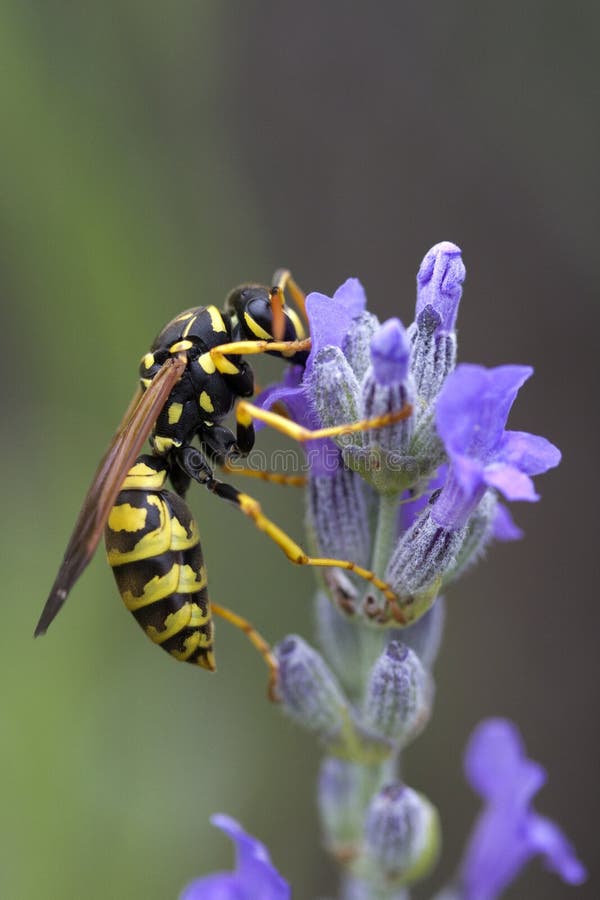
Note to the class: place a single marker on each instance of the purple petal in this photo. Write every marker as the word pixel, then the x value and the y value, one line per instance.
pixel 330 318
pixel 390 353
pixel 548 840
pixel 323 454
pixel 495 761
pixel 512 483
pixel 464 488
pixel 254 874
pixel 439 282
pixel 220 886
pixel 530 453
pixel 504 528
pixel 473 406
pixel 351 294
pixel 508 832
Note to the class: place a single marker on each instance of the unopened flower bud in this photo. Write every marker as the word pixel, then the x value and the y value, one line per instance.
pixel 387 387
pixel 357 343
pixel 480 531
pixel 402 835
pixel 338 517
pixel 335 392
pixel 309 690
pixel 433 338
pixel 423 556
pixel 399 695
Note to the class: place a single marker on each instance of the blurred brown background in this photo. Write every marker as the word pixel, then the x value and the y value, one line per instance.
pixel 152 157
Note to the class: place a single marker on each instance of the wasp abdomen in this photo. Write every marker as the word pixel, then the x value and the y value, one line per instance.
pixel 153 547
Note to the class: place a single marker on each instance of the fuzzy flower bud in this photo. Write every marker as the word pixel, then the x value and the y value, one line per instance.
pixel 337 515
pixel 401 836
pixel 357 343
pixel 423 556
pixel 439 289
pixel 309 690
pixel 334 391
pixel 399 695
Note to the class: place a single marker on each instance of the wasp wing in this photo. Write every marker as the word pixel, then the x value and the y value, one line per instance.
pixel 124 448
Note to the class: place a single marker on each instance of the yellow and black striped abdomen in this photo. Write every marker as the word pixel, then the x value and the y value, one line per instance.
pixel 153 547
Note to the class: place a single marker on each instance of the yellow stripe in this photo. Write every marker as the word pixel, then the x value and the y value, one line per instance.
pixel 207 661
pixel 206 403
pixel 191 644
pixel 162 445
pixel 225 367
pixel 216 319
pixel 191 581
pixel 297 323
pixel 148 360
pixel 156 589
pixel 180 345
pixel 256 329
pixel 174 623
pixel 198 617
pixel 186 330
pixel 151 544
pixel 126 517
pixel 174 413
pixel 146 382
pixel 207 363
pixel 179 535
pixel 142 476
pixel 243 417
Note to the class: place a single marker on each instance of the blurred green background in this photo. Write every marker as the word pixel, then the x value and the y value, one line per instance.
pixel 152 157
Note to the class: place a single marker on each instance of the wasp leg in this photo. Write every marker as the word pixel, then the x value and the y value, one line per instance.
pixel 248 348
pixel 265 475
pixel 246 412
pixel 294 552
pixel 256 640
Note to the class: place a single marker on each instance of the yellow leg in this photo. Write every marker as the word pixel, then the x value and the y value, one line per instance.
pixel 249 348
pixel 246 412
pixel 256 640
pixel 264 475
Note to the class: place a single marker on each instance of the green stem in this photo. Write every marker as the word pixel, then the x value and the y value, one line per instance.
pixel 385 535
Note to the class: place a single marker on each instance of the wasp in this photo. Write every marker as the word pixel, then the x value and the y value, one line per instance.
pixel 191 379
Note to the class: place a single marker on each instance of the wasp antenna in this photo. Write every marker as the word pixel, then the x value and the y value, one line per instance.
pixel 276 295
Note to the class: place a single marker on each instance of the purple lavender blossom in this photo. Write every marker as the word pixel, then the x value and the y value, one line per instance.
pixel 471 412
pixel 439 284
pixel 254 875
pixel 390 353
pixel 508 832
pixel 330 319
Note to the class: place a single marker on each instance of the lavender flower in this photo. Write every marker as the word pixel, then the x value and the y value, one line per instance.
pixel 254 875
pixel 439 289
pixel 509 832
pixel 471 413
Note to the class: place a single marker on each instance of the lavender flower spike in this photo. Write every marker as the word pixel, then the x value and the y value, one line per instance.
pixel 471 413
pixel 254 874
pixel 509 832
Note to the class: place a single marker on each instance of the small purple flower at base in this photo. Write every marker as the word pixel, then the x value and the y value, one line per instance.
pixel 471 413
pixel 254 876
pixel 508 832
